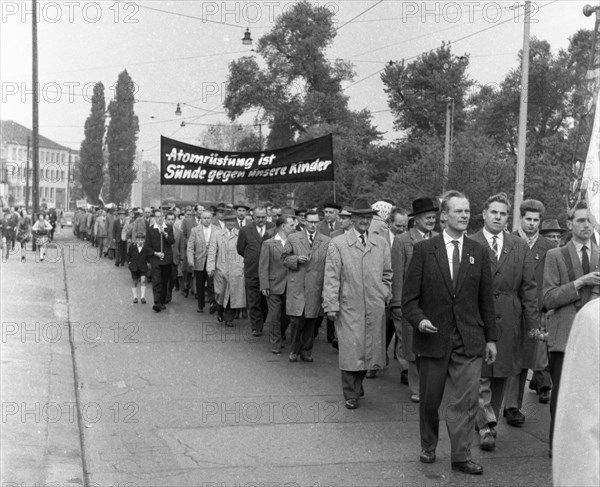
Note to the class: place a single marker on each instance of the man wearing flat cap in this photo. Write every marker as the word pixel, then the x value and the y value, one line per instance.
pixel 356 289
pixel 330 222
pixel 424 212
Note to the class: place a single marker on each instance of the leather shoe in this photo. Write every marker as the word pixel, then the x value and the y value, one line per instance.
pixel 135 300
pixel 143 300
pixel 306 358
pixel 256 333
pixel 213 308
pixel 371 374
pixel 486 440
pixel 467 467
pixel 220 318
pixel 514 417
pixel 427 456
pixel 162 306
pixel 229 324
pixel 186 293
pixel 351 404
pixel 293 357
pixel 544 397
pixel 200 310
pixel 335 344
pixel 156 308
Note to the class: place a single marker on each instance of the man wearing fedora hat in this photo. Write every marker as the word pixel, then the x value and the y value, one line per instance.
pixel 552 230
pixel 218 220
pixel 242 219
pixel 356 289
pixel 424 210
pixel 345 219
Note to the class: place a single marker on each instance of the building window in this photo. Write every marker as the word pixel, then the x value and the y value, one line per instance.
pixel 14 153
pixel 52 194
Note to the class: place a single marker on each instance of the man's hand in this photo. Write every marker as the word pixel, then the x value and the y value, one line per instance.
pixel 265 292
pixel 397 313
pixel 160 255
pixel 302 259
pixel 490 352
pixel 591 279
pixel 426 327
pixel 333 315
pixel 211 273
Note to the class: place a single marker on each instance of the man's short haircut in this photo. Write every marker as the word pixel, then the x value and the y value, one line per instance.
pixel 397 211
pixel 283 219
pixel 198 205
pixel 170 213
pixel 158 210
pixel 206 211
pixel 447 196
pixel 311 212
pixel 581 205
pixel 288 210
pixel 268 204
pixel 497 198
pixel 533 206
pixel 258 208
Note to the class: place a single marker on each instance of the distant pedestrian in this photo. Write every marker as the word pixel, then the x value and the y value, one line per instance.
pixel 41 229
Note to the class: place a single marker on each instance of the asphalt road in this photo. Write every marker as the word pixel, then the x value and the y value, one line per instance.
pixel 129 397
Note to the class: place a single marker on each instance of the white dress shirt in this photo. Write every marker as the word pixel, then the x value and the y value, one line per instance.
pixel 207 231
pixel 579 246
pixel 279 239
pixel 450 248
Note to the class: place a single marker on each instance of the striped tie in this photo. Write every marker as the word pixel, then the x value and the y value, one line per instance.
pixel 495 246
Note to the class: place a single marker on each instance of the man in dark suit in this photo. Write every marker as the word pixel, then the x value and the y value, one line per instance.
pixel 515 303
pixel 447 298
pixel 273 284
pixel 241 216
pixel 250 240
pixel 535 354
pixel 160 238
pixel 120 244
pixel 139 254
pixel 571 279
pixel 330 221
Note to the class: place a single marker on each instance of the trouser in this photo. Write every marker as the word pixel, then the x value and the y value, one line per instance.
pixel 303 335
pixel 514 390
pixel 330 328
pixel 352 383
pixel 256 304
pixel 555 362
pixel 100 242
pixel 202 285
pixel 277 321
pixel 121 252
pixel 226 312
pixel 172 281
pixel 460 374
pixel 406 358
pixel 160 282
pixel 11 238
pixel 541 380
pixel 491 390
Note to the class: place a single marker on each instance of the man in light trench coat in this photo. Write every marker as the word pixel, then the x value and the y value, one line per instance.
pixel 356 289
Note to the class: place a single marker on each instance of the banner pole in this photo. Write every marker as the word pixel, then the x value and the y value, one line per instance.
pixel 334 198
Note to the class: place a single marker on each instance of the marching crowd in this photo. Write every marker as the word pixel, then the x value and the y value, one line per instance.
pixel 23 227
pixel 469 315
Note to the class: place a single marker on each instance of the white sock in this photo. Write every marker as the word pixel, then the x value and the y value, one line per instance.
pixel 134 289
pixel 143 291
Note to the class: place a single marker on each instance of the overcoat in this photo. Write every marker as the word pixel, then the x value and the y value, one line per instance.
pixel 271 272
pixel 188 224
pixel 110 223
pixel 515 302
pixel 228 269
pixel 357 283
pixel 402 252
pixel 305 281
pixel 535 354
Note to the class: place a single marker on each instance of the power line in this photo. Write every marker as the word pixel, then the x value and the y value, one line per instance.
pixel 451 42
pixel 357 16
pixel 237 26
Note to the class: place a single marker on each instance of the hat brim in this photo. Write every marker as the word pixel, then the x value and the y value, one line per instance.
pixel 425 210
pixel 562 231
pixel 247 208
pixel 363 212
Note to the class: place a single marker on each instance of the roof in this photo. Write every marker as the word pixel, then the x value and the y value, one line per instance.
pixel 13 132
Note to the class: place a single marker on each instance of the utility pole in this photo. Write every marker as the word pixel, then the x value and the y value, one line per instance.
pixel 36 114
pixel 522 143
pixel 27 176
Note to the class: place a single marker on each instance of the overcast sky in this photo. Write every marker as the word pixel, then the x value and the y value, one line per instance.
pixel 175 57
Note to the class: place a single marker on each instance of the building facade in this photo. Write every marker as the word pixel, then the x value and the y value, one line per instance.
pixel 16 168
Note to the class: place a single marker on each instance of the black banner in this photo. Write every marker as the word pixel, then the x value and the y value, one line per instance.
pixel 185 164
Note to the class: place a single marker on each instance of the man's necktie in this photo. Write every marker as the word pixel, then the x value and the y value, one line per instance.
pixel 455 263
pixel 311 238
pixel 363 241
pixel 495 246
pixel 331 227
pixel 585 260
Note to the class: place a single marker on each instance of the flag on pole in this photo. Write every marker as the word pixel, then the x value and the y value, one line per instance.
pixel 100 197
pixel 591 173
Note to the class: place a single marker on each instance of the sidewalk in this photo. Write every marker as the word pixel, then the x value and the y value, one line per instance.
pixel 40 442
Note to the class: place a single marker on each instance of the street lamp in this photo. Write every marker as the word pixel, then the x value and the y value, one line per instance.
pixel 247 39
pixel 178 110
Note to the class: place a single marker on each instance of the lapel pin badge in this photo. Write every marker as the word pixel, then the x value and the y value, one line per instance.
pixel 471 260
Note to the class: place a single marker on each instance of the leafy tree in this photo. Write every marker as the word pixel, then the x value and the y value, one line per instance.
pixel 299 96
pixel 417 92
pixel 89 174
pixel 121 139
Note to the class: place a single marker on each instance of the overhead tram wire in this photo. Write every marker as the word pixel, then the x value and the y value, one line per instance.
pixel 357 16
pixel 451 42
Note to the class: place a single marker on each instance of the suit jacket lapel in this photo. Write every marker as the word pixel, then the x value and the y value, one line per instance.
pixel 442 260
pixel 467 253
pixel 577 268
pixel 507 247
pixel 594 258
pixel 479 237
